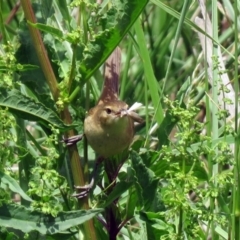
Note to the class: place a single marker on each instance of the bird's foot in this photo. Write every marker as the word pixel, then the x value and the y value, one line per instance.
pixel 72 140
pixel 83 190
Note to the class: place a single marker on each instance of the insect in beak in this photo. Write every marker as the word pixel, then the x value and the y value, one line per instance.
pixel 131 113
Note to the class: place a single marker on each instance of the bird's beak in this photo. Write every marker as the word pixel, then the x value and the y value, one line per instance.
pixel 130 112
pixel 133 115
pixel 122 112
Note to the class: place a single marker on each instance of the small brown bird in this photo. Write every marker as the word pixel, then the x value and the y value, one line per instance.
pixel 109 126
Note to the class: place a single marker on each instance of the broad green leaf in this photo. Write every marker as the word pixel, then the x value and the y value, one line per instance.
pixel 97 50
pixel 154 219
pixel 156 227
pixel 34 79
pixel 147 181
pixel 29 109
pixel 27 220
pixel 13 185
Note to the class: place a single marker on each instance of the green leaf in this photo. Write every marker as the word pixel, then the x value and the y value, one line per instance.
pixel 177 15
pixel 165 129
pixel 187 21
pixel 167 125
pixel 156 227
pixel 13 185
pixel 153 218
pixel 183 90
pixel 147 181
pixel 131 203
pixel 97 51
pixel 48 29
pixel 27 108
pixel 19 67
pixel 34 79
pixel 27 220
pixel 149 73
pixel 101 233
pixel 159 167
pixel 47 10
pixel 117 191
pixel 62 7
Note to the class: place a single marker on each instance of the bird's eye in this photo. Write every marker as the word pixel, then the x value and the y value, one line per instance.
pixel 108 111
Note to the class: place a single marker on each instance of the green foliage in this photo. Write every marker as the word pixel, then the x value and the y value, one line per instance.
pixel 28 108
pixel 29 220
pixel 180 178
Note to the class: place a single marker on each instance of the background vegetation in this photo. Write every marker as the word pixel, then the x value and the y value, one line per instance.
pixel 179 59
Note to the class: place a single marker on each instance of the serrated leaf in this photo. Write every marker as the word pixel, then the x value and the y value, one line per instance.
pixel 27 220
pixel 13 185
pixel 29 109
pixel 97 51
pixel 147 181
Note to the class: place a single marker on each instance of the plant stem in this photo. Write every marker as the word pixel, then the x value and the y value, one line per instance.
pixel 215 89
pixel 65 114
pixel 235 233
pixel 2 27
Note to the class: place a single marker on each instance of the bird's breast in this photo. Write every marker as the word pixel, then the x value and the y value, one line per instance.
pixel 108 140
